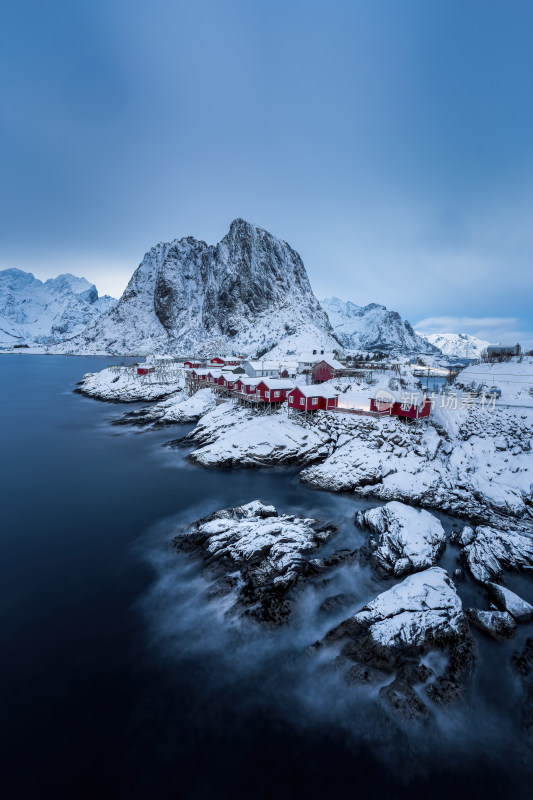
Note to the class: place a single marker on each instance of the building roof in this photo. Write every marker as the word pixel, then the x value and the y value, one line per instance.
pixel 277 383
pixel 260 365
pixel 324 390
pixel 248 381
pixel 332 362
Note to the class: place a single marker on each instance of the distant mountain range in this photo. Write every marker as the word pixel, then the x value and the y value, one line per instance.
pixel 33 312
pixel 374 328
pixel 460 345
pixel 245 295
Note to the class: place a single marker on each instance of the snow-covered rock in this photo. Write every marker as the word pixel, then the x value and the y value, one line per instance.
pixel 456 345
pixel 498 624
pixel 256 555
pixel 124 385
pixel 243 295
pixel 175 409
pixel 506 600
pixel 33 312
pixel 237 436
pixel 403 539
pixel 488 552
pixel 457 468
pixel 420 614
pixel 374 328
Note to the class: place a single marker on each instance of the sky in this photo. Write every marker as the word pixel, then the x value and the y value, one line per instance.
pixel 390 142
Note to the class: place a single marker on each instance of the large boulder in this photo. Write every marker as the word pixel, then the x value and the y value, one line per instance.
pixel 488 552
pixel 259 556
pixel 498 624
pixel 506 600
pixel 393 632
pixel 403 539
pixel 422 612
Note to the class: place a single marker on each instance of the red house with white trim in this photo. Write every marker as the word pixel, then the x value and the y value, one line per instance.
pixel 246 385
pixel 273 390
pixel 145 370
pixel 313 398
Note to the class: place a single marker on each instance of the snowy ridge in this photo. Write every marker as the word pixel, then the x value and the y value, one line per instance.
pixel 374 328
pixel 460 345
pixel 33 312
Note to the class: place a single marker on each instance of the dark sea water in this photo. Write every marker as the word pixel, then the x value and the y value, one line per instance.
pixel 118 679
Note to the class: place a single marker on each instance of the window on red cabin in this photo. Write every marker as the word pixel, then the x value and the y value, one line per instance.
pixel 314 401
pixel 291 399
pixel 276 394
pixel 302 401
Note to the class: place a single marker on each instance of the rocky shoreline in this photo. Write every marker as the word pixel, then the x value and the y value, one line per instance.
pixel 259 561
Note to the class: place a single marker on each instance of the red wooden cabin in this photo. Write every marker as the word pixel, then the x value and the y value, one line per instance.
pixel 273 390
pixel 409 408
pixel 145 370
pixel 191 364
pixel 326 370
pixel 217 361
pixel 313 398
pixel 246 385
pixel 199 375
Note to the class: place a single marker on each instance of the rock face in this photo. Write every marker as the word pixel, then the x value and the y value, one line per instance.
pixel 37 313
pixel 243 294
pixel 374 328
pixel 498 624
pixel 403 623
pixel 506 600
pixel 489 552
pixel 258 555
pixel 238 437
pixel 123 385
pixel 403 539
pixel 174 409
pixel 456 345
pixel 478 466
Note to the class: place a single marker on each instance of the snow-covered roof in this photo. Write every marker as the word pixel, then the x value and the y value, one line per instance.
pixel 324 390
pixel 277 383
pixel 260 365
pixel 248 381
pixel 331 361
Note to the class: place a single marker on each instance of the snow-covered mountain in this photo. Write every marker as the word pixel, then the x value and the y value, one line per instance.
pixel 460 345
pixel 244 294
pixel 33 312
pixel 374 328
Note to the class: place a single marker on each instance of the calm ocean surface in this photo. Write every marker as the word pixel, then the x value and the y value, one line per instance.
pixel 115 679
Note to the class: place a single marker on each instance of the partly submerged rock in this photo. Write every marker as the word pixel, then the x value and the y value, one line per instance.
pixel 488 552
pixel 403 539
pixel 498 624
pixel 258 555
pixel 394 631
pixel 506 600
pixel 422 612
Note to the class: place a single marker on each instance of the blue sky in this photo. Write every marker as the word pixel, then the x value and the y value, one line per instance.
pixel 389 141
